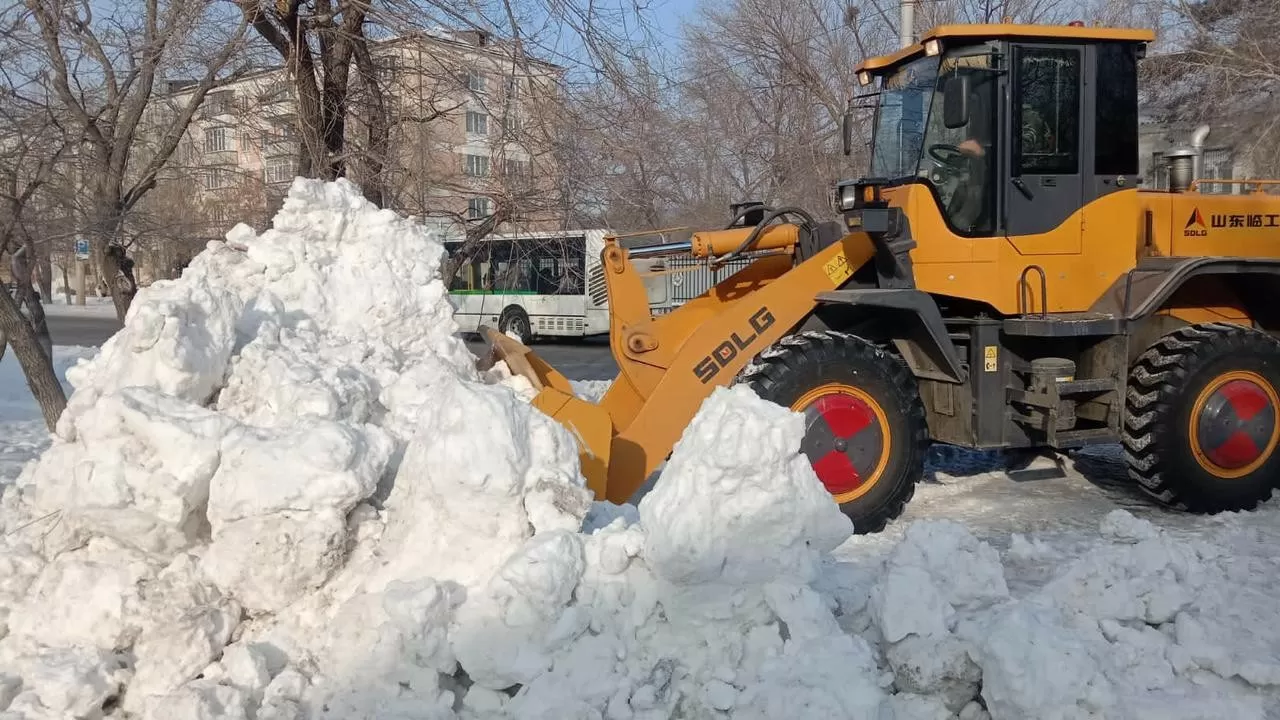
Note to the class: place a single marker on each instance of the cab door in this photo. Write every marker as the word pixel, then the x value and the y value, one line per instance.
pixel 1045 186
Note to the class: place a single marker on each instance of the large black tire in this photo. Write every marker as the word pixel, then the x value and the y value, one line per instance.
pixel 515 320
pixel 865 426
pixel 1201 427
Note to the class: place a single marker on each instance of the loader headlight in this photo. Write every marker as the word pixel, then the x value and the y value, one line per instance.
pixel 848 197
pixel 859 194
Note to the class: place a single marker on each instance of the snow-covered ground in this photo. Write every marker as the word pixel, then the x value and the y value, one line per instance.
pixel 22 430
pixel 266 500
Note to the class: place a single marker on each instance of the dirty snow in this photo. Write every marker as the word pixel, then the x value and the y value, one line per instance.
pixel 268 500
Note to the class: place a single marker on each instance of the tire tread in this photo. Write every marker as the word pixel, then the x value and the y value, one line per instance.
pixel 1157 381
pixel 770 370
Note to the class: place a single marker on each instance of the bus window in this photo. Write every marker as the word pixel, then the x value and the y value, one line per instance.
pixel 559 266
pixel 525 266
pixel 469 277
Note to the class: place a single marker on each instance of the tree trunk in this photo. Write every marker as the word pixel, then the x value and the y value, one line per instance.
pixel 108 251
pixel 119 283
pixel 37 366
pixel 376 121
pixel 46 274
pixel 21 266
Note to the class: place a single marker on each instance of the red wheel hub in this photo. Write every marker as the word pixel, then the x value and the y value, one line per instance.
pixel 1236 424
pixel 844 438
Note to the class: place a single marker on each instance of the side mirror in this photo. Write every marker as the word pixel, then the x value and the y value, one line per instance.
pixel 955 102
pixel 846 129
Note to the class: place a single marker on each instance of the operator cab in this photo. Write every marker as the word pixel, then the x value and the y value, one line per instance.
pixel 1012 128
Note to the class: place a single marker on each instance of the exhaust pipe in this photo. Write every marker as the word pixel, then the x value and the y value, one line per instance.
pixel 1181 168
pixel 1197 144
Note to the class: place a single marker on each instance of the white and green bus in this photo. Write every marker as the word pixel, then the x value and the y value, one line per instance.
pixel 539 285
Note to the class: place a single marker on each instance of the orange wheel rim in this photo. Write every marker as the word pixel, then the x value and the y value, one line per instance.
pixel 847 439
pixel 1233 426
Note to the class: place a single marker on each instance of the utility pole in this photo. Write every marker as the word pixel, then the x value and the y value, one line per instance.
pixel 907 22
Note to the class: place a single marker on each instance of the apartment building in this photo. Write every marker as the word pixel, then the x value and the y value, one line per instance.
pixel 469 128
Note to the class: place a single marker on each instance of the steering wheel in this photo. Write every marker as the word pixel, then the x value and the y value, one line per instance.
pixel 948 155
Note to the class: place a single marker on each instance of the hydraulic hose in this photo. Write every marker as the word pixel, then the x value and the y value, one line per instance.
pixel 771 214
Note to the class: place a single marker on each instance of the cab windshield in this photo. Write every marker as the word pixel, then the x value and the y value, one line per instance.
pixel 912 139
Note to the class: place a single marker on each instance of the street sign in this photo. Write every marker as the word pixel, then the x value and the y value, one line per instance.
pixel 82 249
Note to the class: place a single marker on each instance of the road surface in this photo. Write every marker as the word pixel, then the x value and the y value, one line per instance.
pixel 80 329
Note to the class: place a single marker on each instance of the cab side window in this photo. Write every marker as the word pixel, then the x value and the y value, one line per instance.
pixel 1116 118
pixel 1047 115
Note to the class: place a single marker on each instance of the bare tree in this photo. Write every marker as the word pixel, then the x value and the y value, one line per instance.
pixel 31 147
pixel 319 42
pixel 104 75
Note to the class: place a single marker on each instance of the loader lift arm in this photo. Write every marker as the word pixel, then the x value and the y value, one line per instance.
pixel 669 364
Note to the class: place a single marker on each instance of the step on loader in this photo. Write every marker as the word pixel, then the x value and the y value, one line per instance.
pixel 997 280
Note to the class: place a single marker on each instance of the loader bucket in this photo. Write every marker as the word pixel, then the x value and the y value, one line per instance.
pixel 588 422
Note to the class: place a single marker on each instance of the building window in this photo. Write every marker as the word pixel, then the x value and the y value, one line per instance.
pixel 280 170
pixel 1159 172
pixel 513 88
pixel 519 171
pixel 1217 165
pixel 477 123
pixel 512 124
pixel 218 178
pixel 219 214
pixel 477 165
pixel 388 68
pixel 282 140
pixel 217 139
pixel 218 103
pixel 474 81
pixel 275 93
pixel 478 208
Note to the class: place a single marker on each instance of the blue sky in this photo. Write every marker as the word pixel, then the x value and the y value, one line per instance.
pixel 669 13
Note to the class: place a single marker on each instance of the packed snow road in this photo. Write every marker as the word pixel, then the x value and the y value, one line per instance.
pixel 267 501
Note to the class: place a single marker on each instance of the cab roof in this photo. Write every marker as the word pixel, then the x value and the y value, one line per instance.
pixel 1005 31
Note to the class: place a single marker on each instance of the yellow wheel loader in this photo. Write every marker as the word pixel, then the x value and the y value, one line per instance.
pixel 998 280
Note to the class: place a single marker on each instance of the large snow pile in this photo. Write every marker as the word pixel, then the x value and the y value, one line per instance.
pixel 283 491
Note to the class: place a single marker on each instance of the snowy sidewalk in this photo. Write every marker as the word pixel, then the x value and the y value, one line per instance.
pixel 93 307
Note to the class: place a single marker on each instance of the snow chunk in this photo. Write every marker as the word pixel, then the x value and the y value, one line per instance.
pixel 268 561
pixel 323 466
pixel 484 472
pixel 504 635
pixel 590 390
pixel 177 340
pixel 737 502
pixel 59 683
pixel 1034 665
pixel 89 597
pixel 138 470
